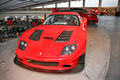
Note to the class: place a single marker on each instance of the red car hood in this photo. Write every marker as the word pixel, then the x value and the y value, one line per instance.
pixel 48 47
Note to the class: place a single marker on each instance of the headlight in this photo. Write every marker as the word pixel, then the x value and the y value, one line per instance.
pixel 22 45
pixel 69 49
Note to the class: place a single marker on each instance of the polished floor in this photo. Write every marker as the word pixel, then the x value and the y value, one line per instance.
pixel 103 38
pixel 112 25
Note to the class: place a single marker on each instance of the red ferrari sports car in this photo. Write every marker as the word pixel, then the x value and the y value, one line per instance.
pixel 58 44
pixel 90 16
pixel 98 12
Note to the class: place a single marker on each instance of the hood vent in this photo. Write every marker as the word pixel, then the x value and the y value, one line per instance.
pixel 36 35
pixel 47 38
pixel 64 36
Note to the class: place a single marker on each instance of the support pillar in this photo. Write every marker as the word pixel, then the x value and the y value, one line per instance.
pixel 27 22
pixel 43 7
pixel 99 4
pixel 83 4
pixel 118 5
pixel 69 4
pixel 44 15
pixel 56 5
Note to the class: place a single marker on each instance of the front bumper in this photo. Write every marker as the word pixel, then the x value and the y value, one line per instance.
pixel 56 63
pixel 76 69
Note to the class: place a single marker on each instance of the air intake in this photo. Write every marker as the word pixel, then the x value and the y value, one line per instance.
pixel 47 38
pixel 64 36
pixel 36 35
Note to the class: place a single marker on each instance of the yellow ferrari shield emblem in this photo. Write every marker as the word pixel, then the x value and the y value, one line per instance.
pixel 28 60
pixel 40 53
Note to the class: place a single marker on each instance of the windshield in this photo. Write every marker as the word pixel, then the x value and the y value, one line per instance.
pixel 62 20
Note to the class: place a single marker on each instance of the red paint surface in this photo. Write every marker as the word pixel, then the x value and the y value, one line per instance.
pixel 50 49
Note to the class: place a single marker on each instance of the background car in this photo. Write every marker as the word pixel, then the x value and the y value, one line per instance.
pixel 91 17
pixel 98 12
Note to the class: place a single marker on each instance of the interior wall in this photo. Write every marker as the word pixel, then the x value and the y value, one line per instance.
pixel 109 9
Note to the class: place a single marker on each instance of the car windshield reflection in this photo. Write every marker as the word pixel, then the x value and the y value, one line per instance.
pixel 62 20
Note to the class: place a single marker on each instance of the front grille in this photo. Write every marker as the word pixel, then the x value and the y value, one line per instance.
pixel 91 20
pixel 44 63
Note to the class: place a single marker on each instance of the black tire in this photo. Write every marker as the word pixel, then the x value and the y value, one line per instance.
pixel 81 59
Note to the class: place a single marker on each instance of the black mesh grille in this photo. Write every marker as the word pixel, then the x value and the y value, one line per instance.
pixel 64 36
pixel 36 35
pixel 44 63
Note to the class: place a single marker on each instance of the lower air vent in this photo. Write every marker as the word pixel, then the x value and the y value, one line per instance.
pixel 66 65
pixel 64 36
pixel 36 35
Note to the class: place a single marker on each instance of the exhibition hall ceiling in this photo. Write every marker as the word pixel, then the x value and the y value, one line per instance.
pixel 8 5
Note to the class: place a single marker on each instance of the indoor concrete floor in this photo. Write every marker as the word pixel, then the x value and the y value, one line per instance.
pixel 112 25
pixel 98 47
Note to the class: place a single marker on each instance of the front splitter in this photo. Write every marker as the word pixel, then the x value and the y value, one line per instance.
pixel 76 69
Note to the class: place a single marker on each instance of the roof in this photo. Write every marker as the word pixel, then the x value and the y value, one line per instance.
pixel 11 5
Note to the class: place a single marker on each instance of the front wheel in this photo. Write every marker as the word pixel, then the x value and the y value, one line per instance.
pixel 81 59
